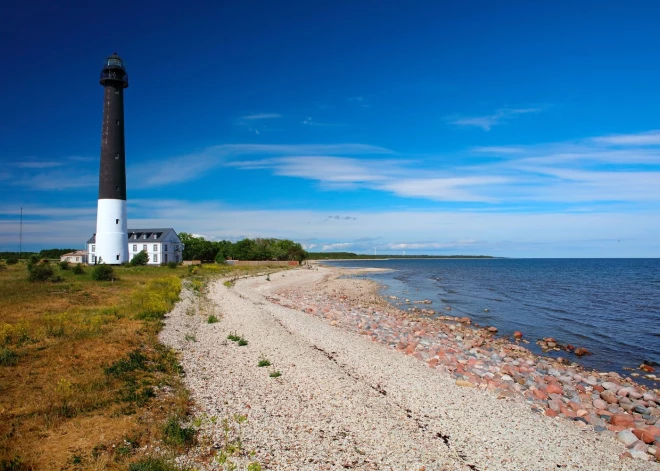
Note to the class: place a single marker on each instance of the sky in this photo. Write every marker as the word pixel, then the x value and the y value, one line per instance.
pixel 513 128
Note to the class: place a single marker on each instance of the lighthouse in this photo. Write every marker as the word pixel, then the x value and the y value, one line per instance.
pixel 111 228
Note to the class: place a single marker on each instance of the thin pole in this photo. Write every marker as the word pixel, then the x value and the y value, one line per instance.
pixel 20 236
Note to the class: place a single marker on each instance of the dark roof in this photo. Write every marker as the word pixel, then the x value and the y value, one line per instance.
pixel 137 235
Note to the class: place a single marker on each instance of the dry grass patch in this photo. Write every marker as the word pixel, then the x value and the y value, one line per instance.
pixel 83 369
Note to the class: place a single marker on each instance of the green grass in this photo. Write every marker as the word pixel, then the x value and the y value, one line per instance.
pixel 263 362
pixel 174 434
pixel 275 374
pixel 242 342
pixel 8 357
pixel 233 337
pixel 212 319
pixel 153 464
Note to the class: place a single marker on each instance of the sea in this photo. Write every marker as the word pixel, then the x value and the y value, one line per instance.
pixel 611 307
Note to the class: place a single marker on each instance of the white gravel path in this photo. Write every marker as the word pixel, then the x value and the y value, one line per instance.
pixel 344 402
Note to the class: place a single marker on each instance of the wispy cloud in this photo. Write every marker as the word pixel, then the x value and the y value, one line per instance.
pixel 639 139
pixel 486 122
pixel 251 121
pixel 192 166
pixel 40 164
pixel 258 116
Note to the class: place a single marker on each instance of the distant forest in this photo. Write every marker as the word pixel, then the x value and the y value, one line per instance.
pixel 354 256
pixel 45 253
pixel 198 248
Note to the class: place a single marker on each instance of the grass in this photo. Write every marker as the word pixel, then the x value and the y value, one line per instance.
pixel 68 389
pixel 237 338
pixel 212 319
pixel 81 367
pixel 275 374
pixel 263 362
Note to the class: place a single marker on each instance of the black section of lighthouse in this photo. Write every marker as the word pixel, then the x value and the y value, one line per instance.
pixel 111 224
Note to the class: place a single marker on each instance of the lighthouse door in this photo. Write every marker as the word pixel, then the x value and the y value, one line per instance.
pixel 165 258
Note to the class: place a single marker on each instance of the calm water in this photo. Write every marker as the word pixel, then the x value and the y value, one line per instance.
pixel 609 306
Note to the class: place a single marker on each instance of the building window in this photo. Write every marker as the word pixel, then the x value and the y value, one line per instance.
pixel 135 248
pixel 77 259
pixel 165 250
pixel 155 247
pixel 155 258
pixel 117 256
pixel 176 257
pixel 93 248
pixel 144 236
pixel 144 247
pixel 155 236
pixel 176 247
pixel 116 221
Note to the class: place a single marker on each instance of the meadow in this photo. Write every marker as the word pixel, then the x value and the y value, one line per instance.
pixel 84 382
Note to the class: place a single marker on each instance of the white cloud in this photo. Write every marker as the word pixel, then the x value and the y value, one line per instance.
pixel 192 166
pixel 486 122
pixel 258 116
pixel 40 164
pixel 651 138
pixel 526 234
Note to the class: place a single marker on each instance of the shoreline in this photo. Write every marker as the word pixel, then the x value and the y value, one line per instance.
pixel 392 411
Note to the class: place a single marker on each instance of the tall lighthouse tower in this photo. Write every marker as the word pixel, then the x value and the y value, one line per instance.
pixel 111 232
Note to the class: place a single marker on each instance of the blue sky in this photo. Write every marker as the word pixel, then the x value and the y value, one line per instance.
pixel 502 128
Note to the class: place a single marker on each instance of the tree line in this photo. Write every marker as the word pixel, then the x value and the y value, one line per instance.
pixel 45 253
pixel 198 248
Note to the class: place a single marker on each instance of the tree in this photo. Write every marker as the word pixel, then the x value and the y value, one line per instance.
pixel 141 258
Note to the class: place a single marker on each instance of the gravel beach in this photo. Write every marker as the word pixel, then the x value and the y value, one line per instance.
pixel 348 399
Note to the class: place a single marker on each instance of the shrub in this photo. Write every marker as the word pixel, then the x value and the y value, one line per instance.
pixel 103 273
pixel 153 464
pixel 174 434
pixel 12 260
pixel 221 259
pixel 141 258
pixel 41 271
pixel 8 357
pixel 64 265
pixel 212 319
pixel 78 269
pixel 172 264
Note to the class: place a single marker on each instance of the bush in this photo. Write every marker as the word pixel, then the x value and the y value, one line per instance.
pixel 172 264
pixel 174 434
pixel 78 269
pixel 141 258
pixel 153 464
pixel 64 265
pixel 12 260
pixel 221 259
pixel 103 273
pixel 40 271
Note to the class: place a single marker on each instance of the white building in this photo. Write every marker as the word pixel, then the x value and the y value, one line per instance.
pixel 79 256
pixel 162 245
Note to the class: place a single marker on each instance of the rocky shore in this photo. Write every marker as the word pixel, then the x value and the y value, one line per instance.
pixel 352 382
pixel 603 402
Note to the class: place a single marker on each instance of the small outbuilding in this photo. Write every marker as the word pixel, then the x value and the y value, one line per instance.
pixel 79 256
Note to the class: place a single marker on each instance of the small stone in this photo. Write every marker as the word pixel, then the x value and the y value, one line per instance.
pixel 640 455
pixel 464 384
pixel 554 388
pixel 610 386
pixel 492 329
pixel 626 437
pixel 643 435
pixel 623 420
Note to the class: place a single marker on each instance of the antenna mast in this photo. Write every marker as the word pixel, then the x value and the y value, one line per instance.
pixel 20 236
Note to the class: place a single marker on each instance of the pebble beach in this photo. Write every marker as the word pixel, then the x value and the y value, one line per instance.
pixel 353 382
